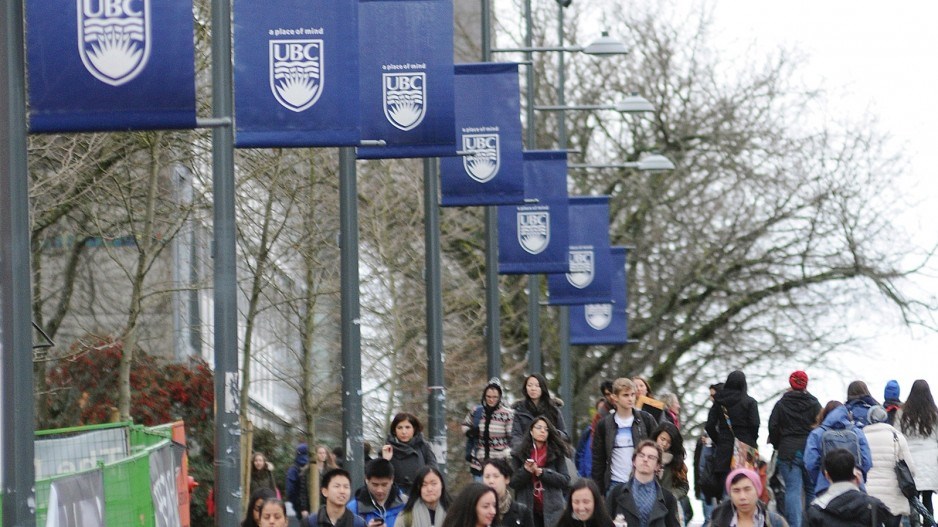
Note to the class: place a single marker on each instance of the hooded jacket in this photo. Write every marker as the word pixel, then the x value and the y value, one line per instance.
pixel 858 409
pixel 887 446
pixel 366 507
pixel 844 505
pixel 295 484
pixel 743 412
pixel 813 454
pixel 791 421
pixel 491 433
pixel 410 457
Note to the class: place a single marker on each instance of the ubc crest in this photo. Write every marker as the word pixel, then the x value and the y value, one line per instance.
pixel 296 74
pixel 598 316
pixel 581 268
pixel 534 231
pixel 114 38
pixel 405 96
pixel 482 164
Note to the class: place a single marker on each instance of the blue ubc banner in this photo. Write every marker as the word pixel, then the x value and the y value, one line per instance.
pixel 110 65
pixel 589 280
pixel 407 77
pixel 488 132
pixel 533 238
pixel 296 73
pixel 604 324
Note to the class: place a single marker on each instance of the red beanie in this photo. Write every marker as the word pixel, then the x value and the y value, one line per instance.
pixel 798 380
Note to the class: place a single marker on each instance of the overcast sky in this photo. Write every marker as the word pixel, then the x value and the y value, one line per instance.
pixel 868 57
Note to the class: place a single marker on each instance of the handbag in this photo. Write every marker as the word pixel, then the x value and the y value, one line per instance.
pixel 903 473
pixel 744 454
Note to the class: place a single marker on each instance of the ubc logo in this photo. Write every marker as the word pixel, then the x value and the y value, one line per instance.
pixel 482 164
pixel 404 99
pixel 114 38
pixel 581 268
pixel 598 316
pixel 296 74
pixel 534 231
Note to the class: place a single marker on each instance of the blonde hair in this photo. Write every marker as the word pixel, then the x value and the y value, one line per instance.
pixel 621 384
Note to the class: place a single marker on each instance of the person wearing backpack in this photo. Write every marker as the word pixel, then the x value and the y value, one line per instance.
pixel 845 504
pixel 834 430
pixel 488 429
pixel 859 402
pixel 734 415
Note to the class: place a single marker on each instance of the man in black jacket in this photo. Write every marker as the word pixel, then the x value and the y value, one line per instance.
pixel 844 504
pixel 789 425
pixel 616 436
pixel 641 500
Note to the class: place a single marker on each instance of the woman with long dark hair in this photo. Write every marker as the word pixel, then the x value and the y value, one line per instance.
pixel 475 506
pixel 406 449
pixel 541 478
pixel 585 507
pixel 537 402
pixel 918 421
pixel 253 515
pixel 427 501
pixel 673 468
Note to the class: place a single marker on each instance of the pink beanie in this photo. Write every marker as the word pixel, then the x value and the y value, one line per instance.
pixel 749 473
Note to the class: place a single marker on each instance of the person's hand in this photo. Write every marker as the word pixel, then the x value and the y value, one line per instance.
pixel 375 522
pixel 304 514
pixel 472 432
pixel 530 466
pixel 387 452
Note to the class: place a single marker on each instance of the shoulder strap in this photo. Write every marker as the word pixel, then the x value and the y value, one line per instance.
pixel 313 520
pixel 726 416
pixel 477 416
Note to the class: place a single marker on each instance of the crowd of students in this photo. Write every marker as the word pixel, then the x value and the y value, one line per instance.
pixel 832 465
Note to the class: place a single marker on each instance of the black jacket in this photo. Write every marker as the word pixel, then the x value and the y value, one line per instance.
pixel 723 515
pixel 850 509
pixel 321 519
pixel 744 416
pixel 791 421
pixel 663 514
pixel 605 439
pixel 408 458
pixel 518 515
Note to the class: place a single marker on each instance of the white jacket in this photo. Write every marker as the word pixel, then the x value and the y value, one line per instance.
pixel 881 480
pixel 925 454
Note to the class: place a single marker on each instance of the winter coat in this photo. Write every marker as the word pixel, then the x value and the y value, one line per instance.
pixel 584 452
pixel 670 481
pixel 410 457
pixel 845 506
pixel 663 513
pixel 518 515
pixel 296 488
pixel 363 505
pixel 881 481
pixel 492 433
pixel 723 514
pixel 859 408
pixel 924 455
pixel 791 421
pixel 605 439
pixel 813 453
pixel 744 416
pixel 262 479
pixel 555 478
pixel 521 423
pixel 321 519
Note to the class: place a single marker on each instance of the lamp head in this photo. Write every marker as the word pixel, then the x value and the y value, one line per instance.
pixel 605 45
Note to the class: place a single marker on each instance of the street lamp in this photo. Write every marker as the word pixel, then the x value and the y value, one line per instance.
pixel 648 163
pixel 634 103
pixel 603 46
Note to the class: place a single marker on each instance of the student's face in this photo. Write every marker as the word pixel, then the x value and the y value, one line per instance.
pixel 322 455
pixel 338 491
pixel 641 389
pixel 256 510
pixel 583 504
pixel 404 431
pixel 485 510
pixel 379 487
pixel 610 398
pixel 491 397
pixel 533 388
pixel 431 489
pixel 272 516
pixel 625 399
pixel 539 431
pixel 664 441
pixel 492 477
pixel 260 463
pixel 646 461
pixel 744 495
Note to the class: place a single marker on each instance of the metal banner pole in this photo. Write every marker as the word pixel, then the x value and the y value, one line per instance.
pixel 227 385
pixel 436 392
pixel 492 302
pixel 17 413
pixel 535 360
pixel 566 388
pixel 351 313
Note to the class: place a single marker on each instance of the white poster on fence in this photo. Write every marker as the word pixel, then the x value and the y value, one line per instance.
pixel 163 487
pixel 80 452
pixel 77 501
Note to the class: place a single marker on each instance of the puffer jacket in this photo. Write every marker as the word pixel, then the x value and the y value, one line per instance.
pixel 881 480
pixel 924 454
pixel 813 453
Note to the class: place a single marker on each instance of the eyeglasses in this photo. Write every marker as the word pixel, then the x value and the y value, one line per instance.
pixel 650 457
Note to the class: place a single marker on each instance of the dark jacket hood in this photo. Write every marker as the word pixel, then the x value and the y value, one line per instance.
pixel 798 402
pixel 728 397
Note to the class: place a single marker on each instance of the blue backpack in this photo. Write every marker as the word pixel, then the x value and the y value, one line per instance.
pixel 845 438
